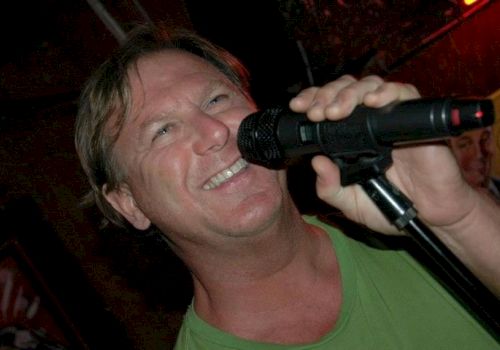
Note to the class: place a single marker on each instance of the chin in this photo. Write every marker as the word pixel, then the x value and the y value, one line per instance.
pixel 256 219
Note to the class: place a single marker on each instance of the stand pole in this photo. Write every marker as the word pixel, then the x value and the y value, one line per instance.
pixel 455 276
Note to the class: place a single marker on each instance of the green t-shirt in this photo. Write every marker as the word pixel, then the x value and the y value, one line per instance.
pixel 389 302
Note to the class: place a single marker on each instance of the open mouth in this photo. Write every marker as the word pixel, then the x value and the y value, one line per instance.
pixel 226 174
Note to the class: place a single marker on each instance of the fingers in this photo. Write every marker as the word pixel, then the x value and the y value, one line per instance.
pixel 388 92
pixel 337 99
pixel 316 100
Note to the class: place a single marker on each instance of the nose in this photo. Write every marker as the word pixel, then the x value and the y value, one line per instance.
pixel 210 134
pixel 476 151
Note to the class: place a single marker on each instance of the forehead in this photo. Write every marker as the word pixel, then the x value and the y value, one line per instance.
pixel 167 67
pixel 476 134
pixel 168 75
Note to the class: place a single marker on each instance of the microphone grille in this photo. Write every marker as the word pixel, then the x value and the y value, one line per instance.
pixel 257 138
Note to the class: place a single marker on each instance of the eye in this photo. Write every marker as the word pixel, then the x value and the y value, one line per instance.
pixel 464 143
pixel 165 129
pixel 217 99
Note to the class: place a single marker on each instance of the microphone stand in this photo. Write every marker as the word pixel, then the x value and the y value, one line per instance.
pixel 399 210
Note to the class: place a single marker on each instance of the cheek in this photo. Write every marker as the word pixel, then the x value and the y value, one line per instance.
pixel 159 181
pixel 463 161
pixel 238 114
pixel 489 152
pixel 465 158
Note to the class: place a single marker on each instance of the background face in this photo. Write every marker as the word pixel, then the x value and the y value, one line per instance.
pixel 474 153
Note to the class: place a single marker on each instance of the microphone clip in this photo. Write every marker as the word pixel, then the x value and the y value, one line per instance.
pixel 361 168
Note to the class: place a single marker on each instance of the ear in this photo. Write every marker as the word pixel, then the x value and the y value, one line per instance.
pixel 122 200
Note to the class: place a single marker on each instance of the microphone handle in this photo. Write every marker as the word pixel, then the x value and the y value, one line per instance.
pixel 369 130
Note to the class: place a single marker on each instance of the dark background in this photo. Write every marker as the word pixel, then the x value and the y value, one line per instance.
pixel 127 285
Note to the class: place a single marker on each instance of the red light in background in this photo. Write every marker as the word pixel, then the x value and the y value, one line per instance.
pixel 471 6
pixel 479 114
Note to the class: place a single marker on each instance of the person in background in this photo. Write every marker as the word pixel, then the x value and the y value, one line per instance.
pixel 156 134
pixel 474 151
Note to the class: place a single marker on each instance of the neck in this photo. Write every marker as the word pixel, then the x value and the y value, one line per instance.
pixel 280 276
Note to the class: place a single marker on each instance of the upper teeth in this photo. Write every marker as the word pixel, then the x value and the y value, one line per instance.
pixel 225 174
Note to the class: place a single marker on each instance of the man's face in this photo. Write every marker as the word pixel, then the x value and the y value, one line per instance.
pixel 474 152
pixel 183 169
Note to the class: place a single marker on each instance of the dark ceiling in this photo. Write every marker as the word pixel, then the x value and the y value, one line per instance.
pixel 50 46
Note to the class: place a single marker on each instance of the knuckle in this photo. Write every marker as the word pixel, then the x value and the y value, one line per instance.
pixel 348 93
pixel 391 85
pixel 348 78
pixel 374 78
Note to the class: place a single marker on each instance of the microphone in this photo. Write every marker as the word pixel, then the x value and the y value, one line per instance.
pixel 275 136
